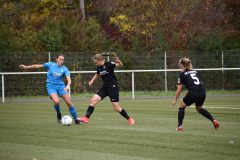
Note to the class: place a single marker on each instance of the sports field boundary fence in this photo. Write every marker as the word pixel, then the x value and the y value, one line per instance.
pixel 146 71
pixel 3 74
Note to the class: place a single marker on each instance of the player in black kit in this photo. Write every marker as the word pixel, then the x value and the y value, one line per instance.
pixel 195 94
pixel 105 70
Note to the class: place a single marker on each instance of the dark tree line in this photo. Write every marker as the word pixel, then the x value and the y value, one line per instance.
pixel 121 25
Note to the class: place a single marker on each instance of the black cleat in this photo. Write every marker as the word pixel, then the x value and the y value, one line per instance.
pixel 59 117
pixel 77 121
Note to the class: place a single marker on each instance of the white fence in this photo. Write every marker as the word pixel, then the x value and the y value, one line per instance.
pixel 118 71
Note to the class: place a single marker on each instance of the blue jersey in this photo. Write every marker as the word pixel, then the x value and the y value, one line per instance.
pixel 56 73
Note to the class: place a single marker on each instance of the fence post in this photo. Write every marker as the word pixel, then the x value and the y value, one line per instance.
pixel 49 56
pixel 3 94
pixel 133 85
pixel 165 72
pixel 222 70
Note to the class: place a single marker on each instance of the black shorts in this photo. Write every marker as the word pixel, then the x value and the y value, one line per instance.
pixel 111 92
pixel 194 97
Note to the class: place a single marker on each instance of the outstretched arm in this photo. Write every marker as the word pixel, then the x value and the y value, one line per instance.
pixel 178 92
pixel 93 79
pixel 118 62
pixel 34 66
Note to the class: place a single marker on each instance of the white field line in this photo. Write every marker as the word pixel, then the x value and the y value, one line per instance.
pixel 223 105
pixel 236 107
pixel 215 106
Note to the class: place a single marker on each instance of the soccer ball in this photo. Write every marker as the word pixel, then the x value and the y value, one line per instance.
pixel 66 120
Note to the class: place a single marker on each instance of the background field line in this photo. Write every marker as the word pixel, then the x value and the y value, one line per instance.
pixel 216 107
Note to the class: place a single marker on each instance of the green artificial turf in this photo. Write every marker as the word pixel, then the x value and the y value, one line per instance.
pixel 29 131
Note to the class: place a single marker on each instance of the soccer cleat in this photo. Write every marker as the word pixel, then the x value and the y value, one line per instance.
pixel 131 121
pixel 215 124
pixel 59 118
pixel 77 121
pixel 84 119
pixel 180 128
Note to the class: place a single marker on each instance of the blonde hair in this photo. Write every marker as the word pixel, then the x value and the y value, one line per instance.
pixel 186 62
pixel 98 57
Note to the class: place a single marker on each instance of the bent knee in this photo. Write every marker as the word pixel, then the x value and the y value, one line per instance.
pixel 69 103
pixel 182 105
pixel 117 108
pixel 93 101
pixel 198 108
pixel 56 101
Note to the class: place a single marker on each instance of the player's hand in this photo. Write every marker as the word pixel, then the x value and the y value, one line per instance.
pixel 114 54
pixel 90 83
pixel 116 59
pixel 21 66
pixel 67 88
pixel 174 102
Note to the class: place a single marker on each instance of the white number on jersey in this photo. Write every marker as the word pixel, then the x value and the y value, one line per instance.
pixel 196 80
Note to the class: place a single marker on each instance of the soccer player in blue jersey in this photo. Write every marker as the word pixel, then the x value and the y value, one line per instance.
pixel 55 85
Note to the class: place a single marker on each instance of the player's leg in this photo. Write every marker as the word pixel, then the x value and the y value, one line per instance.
pixel 204 112
pixel 208 115
pixel 65 96
pixel 55 99
pixel 181 114
pixel 113 94
pixel 122 112
pixel 71 107
pixel 93 102
pixel 187 101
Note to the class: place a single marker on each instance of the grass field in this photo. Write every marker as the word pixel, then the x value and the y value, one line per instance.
pixel 28 131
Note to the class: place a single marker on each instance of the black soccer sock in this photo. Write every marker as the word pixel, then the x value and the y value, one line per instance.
pixel 124 114
pixel 89 111
pixel 181 113
pixel 57 108
pixel 206 114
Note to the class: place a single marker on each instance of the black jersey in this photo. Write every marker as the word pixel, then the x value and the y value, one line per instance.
pixel 107 74
pixel 191 80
